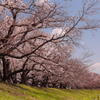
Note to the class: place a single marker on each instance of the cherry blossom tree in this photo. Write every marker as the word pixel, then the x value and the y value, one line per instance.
pixel 25 47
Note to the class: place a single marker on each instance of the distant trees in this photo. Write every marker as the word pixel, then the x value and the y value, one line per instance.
pixel 29 55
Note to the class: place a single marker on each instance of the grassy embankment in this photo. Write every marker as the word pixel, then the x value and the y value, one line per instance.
pixel 23 92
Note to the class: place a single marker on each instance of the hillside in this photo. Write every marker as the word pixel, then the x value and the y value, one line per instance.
pixel 23 92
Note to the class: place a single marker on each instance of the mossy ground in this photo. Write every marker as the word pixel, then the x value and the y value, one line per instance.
pixel 23 92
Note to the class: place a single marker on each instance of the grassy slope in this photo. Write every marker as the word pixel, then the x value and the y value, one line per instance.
pixel 22 92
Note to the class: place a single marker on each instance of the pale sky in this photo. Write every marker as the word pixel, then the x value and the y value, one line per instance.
pixel 90 39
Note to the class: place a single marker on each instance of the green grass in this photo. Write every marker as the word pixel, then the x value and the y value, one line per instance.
pixel 23 92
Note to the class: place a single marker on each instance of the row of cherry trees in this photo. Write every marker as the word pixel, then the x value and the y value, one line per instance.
pixel 30 55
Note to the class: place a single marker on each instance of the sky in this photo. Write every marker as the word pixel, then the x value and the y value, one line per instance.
pixel 90 40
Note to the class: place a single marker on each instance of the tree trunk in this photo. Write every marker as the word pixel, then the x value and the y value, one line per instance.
pixel 5 68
